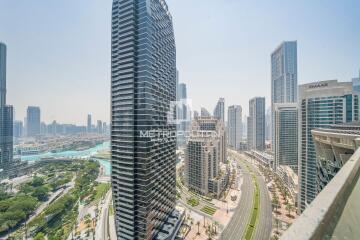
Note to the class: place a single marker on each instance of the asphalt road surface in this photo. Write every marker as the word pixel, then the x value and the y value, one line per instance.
pixel 240 219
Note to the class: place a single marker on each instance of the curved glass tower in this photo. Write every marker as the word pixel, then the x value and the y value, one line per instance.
pixel 143 143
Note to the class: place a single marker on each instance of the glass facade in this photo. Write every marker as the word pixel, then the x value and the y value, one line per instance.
pixel 283 79
pixel 143 83
pixel 235 126
pixel 321 104
pixel 286 135
pixel 256 124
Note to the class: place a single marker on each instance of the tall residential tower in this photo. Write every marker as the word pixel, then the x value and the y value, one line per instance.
pixel 143 146
pixel 284 89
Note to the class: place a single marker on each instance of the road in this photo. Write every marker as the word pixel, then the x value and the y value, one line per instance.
pixel 240 219
pixel 102 228
pixel 264 226
pixel 236 227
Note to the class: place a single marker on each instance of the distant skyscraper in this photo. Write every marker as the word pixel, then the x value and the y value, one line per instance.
pixel 321 104
pixel 284 89
pixel 284 73
pixel 33 121
pixel 256 124
pixel 99 127
pixel 6 116
pixel 6 136
pixel 105 128
pixel 219 111
pixel 356 83
pixel 204 112
pixel 286 135
pixel 182 115
pixel 43 128
pixel 143 86
pixel 235 126
pixel 196 114
pixel 268 124
pixel 89 123
pixel 2 74
pixel 18 129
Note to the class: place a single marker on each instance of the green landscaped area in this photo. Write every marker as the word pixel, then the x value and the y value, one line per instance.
pixel 57 220
pixel 249 232
pixel 193 201
pixel 100 190
pixel 209 210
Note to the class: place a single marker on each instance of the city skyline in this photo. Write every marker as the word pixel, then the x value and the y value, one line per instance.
pixel 84 73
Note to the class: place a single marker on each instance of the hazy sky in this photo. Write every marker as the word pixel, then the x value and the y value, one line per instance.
pixel 59 51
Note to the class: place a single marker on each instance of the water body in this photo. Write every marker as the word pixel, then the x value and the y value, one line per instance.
pixel 85 154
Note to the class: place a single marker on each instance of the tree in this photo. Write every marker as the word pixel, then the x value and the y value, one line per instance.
pixel 37 182
pixel 277 222
pixel 39 236
pixel 289 208
pixel 41 193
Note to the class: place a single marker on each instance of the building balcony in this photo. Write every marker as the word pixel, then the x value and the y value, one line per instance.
pixel 335 212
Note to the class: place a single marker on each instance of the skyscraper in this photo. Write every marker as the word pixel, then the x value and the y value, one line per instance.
pixel 6 116
pixel 89 123
pixel 219 111
pixel 143 84
pixel 268 124
pixel 99 127
pixel 256 124
pixel 235 126
pixel 321 104
pixel 204 112
pixel 356 83
pixel 286 135
pixel 196 114
pixel 182 114
pixel 2 74
pixel 33 121
pixel 18 129
pixel 283 90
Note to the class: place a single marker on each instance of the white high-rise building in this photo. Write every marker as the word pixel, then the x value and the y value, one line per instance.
pixel 235 126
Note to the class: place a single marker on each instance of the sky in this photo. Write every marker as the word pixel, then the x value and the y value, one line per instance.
pixel 59 51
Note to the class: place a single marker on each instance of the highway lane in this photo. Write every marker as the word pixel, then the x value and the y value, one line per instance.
pixel 264 226
pixel 237 225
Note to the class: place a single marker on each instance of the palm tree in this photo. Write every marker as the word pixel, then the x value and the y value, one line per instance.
pixel 289 207
pixel 277 222
pixel 275 202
